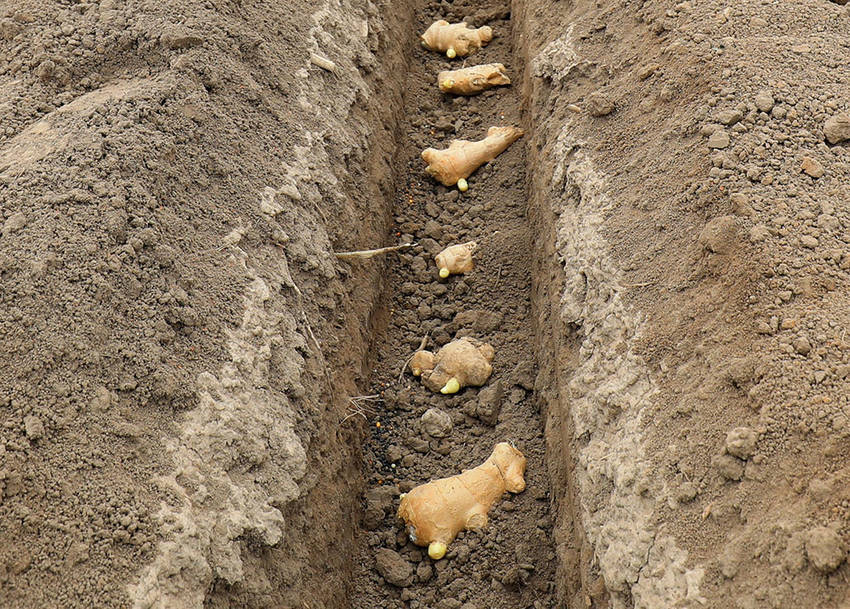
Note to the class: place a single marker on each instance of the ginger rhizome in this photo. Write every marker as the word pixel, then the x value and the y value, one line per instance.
pixel 456 259
pixel 458 364
pixel 462 157
pixel 437 511
pixel 455 39
pixel 470 81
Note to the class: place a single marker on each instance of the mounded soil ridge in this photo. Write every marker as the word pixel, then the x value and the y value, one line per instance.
pixel 179 340
pixel 691 287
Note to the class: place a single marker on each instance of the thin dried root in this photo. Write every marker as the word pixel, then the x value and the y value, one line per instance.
pixel 322 62
pixel 358 406
pixel 422 345
pixel 366 254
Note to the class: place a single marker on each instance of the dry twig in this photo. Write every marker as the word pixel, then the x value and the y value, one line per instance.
pixel 366 254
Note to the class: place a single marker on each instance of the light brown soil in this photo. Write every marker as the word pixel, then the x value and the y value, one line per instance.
pixel 173 178
pixel 662 271
pixel 699 289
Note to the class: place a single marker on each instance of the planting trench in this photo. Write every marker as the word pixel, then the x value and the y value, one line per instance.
pixel 510 563
pixel 204 408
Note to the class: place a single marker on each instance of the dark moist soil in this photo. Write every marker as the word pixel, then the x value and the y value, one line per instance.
pixel 511 563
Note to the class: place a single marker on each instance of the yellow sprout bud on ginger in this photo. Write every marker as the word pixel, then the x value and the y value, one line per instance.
pixel 436 512
pixel 437 550
pixel 451 386
pixel 470 81
pixel 421 360
pixel 461 363
pixel 455 39
pixel 462 185
pixel 456 259
pixel 462 157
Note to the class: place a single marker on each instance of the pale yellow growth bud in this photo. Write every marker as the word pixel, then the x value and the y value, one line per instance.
pixel 436 550
pixel 451 53
pixel 452 386
pixel 444 272
pixel 416 371
pixel 462 185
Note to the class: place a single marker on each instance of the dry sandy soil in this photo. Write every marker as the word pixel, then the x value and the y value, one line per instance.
pixel 663 271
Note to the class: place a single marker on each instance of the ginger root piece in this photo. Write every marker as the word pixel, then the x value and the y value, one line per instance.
pixel 437 511
pixel 460 363
pixel 462 157
pixel 421 360
pixel 456 259
pixel 455 39
pixel 470 81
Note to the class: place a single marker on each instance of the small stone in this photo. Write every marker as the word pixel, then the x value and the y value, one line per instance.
pixel 729 467
pixel 741 204
pixel 600 104
pixel 646 71
pixel 437 423
pixel 824 549
pixel 718 140
pixel 480 320
pixel 180 38
pixel 801 345
pixel 686 492
pixel 837 128
pixel 828 222
pixel 34 427
pixel 730 117
pixel 394 453
pixel 812 167
pixel 719 234
pixel 524 375
pixel 764 101
pixel 741 442
pixel 759 233
pixel 808 241
pixel 490 403
pixel 424 572
pixel 393 568
pixel 417 444
pixel 433 230
pixel 45 70
pixel 14 223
